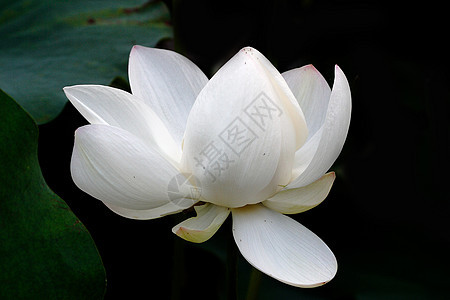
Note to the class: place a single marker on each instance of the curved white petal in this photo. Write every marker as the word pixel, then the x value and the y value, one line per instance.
pixel 202 227
pixel 305 154
pixel 294 201
pixel 119 169
pixel 106 105
pixel 146 214
pixel 282 248
pixel 292 108
pixel 333 135
pixel 312 93
pixel 168 82
pixel 242 132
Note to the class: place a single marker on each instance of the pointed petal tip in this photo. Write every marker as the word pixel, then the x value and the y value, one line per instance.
pixel 80 130
pixel 311 67
pixel 134 50
pixel 305 68
pixel 68 88
pixel 177 230
pixel 248 48
pixel 180 231
pixel 190 235
pixel 338 69
pixel 140 49
pixel 251 50
pixel 136 47
pixel 339 76
pixel 338 72
pixel 66 91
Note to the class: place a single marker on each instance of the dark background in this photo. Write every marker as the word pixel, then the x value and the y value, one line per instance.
pixel 386 218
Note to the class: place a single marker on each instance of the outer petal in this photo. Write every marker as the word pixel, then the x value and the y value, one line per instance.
pixel 333 135
pixel 146 214
pixel 111 106
pixel 168 82
pixel 312 93
pixel 119 169
pixel 294 201
pixel 202 227
pixel 282 248
pixel 242 133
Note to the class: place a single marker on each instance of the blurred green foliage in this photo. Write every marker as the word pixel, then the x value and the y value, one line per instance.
pixel 46 45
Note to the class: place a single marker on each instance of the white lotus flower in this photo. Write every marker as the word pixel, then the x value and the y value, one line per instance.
pixel 249 141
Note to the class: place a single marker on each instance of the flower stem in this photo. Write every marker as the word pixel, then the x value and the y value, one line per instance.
pixel 253 286
pixel 232 261
pixel 178 271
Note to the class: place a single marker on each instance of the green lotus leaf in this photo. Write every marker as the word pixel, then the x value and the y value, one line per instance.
pixel 45 251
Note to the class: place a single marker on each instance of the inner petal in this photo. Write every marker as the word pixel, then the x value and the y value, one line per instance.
pixel 242 132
